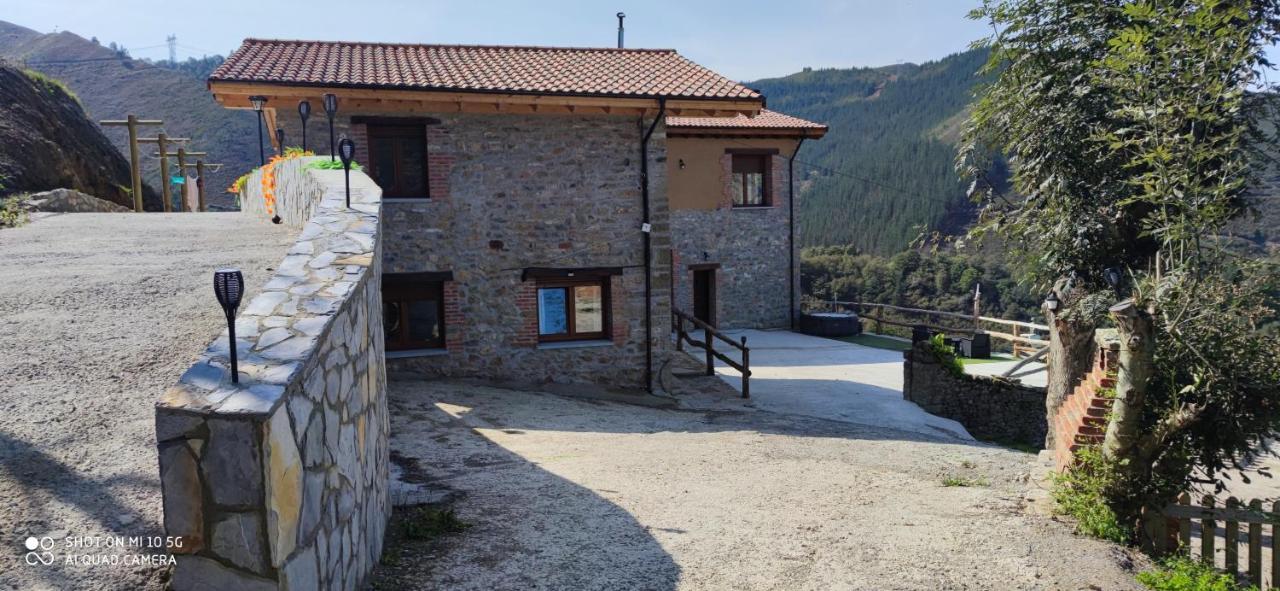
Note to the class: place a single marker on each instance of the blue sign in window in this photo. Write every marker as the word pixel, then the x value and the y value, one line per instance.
pixel 553 311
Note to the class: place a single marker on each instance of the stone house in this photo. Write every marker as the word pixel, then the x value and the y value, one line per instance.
pixel 528 231
pixel 730 190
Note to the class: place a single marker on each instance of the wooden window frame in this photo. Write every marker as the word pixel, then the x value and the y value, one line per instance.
pixel 765 156
pixel 606 304
pixel 415 287
pixel 382 128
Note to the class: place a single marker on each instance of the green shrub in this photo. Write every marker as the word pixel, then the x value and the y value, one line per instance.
pixel 946 355
pixel 1184 574
pixel 12 214
pixel 964 481
pixel 427 523
pixel 331 165
pixel 52 85
pixel 1080 493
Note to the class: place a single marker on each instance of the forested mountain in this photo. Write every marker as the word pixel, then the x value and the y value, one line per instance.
pixel 885 170
pixel 112 85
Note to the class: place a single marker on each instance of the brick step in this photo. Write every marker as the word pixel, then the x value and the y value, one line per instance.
pixel 1098 421
pixel 1090 431
pixel 1088 439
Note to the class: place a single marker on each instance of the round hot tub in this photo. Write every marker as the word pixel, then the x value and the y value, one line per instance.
pixel 830 324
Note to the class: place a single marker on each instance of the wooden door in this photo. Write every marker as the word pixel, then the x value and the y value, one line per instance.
pixel 704 295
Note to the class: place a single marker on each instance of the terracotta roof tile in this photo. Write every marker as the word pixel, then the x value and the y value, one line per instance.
pixel 765 120
pixel 476 68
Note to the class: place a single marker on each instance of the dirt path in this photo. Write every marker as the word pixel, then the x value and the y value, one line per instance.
pixel 574 494
pixel 99 313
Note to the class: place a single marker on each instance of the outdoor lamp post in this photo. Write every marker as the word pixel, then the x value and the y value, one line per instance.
pixel 228 286
pixel 304 111
pixel 259 101
pixel 330 110
pixel 280 140
pixel 347 151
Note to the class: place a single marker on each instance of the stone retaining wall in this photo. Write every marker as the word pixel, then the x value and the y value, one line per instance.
pixel 280 482
pixel 990 408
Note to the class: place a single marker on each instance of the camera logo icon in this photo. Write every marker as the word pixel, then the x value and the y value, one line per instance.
pixel 38 550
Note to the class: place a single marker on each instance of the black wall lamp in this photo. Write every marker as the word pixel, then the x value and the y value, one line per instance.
pixel 258 102
pixel 228 286
pixel 347 151
pixel 330 110
pixel 304 111
pixel 1051 302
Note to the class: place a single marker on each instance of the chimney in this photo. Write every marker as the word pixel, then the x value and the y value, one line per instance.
pixel 621 16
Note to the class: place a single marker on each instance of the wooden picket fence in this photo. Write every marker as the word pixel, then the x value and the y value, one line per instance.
pixel 1224 531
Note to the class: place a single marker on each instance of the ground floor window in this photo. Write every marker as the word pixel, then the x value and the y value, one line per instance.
pixel 573 309
pixel 413 312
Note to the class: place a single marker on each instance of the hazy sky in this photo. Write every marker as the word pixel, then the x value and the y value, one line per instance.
pixel 744 39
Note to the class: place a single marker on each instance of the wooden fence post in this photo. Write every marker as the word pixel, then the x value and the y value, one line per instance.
pixel 746 369
pixel 706 334
pixel 1231 540
pixel 679 332
pixel 1255 545
pixel 1208 534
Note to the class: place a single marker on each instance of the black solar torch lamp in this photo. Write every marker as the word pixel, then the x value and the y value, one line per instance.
pixel 347 151
pixel 228 286
pixel 330 110
pixel 304 111
pixel 258 102
pixel 280 140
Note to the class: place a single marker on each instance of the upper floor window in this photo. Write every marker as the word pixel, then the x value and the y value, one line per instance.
pixel 398 159
pixel 750 180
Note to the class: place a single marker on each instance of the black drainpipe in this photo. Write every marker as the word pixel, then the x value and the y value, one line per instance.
pixel 791 233
pixel 648 244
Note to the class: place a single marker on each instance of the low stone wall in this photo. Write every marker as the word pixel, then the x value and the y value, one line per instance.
pixel 989 408
pixel 280 481
pixel 290 182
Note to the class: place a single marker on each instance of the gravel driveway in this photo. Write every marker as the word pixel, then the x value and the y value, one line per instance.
pixel 565 493
pixel 99 313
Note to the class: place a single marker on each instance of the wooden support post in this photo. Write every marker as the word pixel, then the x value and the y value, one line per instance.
pixel 706 336
pixel 1184 527
pixel 182 170
pixel 164 172
pixel 746 369
pixel 135 170
pixel 200 202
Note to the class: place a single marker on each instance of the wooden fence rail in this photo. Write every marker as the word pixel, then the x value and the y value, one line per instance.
pixel 707 344
pixel 877 314
pixel 1179 530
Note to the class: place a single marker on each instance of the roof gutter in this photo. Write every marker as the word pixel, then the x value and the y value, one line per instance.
pixel 648 243
pixel 791 232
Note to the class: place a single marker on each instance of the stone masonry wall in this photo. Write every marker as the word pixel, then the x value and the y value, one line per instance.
pixel 989 408
pixel 516 191
pixel 280 481
pixel 749 244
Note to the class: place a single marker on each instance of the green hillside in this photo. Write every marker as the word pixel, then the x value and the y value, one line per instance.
pixel 885 170
pixel 111 85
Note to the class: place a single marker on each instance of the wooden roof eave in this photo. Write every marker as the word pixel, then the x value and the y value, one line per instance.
pixel 813 133
pixel 235 95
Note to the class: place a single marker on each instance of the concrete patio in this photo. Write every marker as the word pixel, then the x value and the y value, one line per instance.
pixel 810 376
